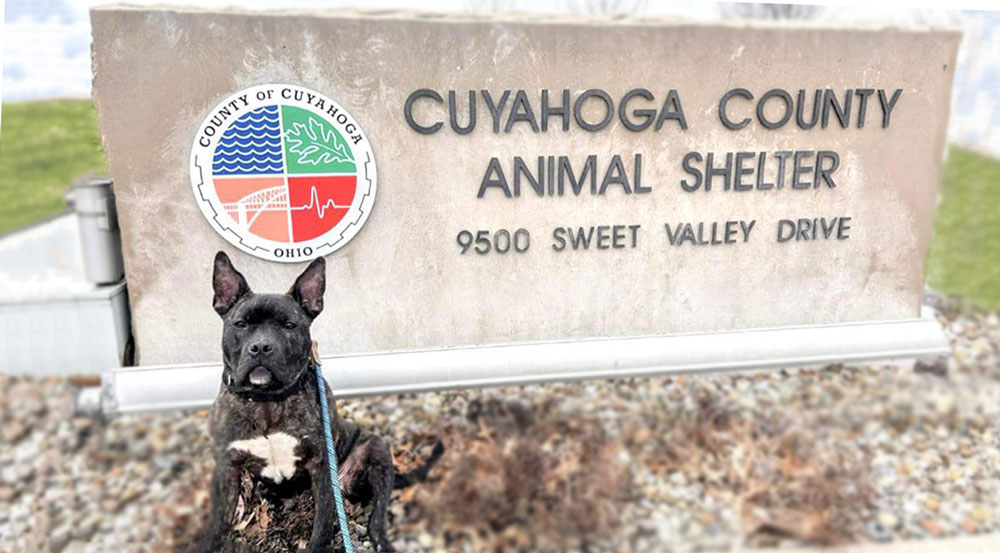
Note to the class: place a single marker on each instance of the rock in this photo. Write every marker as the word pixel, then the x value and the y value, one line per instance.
pixel 931 526
pixel 59 538
pixel 888 520
pixel 937 366
pixel 84 380
pixel 8 475
pixel 7 493
pixel 944 404
pixel 932 503
pixel 878 532
pixel 14 431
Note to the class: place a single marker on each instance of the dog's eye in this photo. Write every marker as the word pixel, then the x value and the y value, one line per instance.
pixel 289 325
pixel 240 324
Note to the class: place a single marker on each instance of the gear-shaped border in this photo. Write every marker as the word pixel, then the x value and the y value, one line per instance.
pixel 346 229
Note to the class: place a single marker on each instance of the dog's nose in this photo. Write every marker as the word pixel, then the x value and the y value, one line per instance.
pixel 260 348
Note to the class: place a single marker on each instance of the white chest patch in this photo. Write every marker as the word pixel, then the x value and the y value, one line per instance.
pixel 278 452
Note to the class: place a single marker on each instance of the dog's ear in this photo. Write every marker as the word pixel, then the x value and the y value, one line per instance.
pixel 228 283
pixel 309 287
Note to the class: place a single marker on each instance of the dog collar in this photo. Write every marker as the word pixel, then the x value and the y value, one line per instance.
pixel 249 392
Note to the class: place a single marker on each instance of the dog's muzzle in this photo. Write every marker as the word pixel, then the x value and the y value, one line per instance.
pixel 261 385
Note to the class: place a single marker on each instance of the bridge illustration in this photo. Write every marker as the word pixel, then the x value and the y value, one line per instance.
pixel 274 199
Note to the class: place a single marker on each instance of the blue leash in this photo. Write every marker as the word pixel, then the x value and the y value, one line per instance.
pixel 331 456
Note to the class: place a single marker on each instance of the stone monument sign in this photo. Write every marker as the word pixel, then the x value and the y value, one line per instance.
pixel 537 179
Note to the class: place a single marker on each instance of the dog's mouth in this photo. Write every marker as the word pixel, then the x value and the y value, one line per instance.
pixel 261 383
pixel 261 378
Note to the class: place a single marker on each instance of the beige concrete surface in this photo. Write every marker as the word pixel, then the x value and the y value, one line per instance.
pixel 402 283
pixel 989 543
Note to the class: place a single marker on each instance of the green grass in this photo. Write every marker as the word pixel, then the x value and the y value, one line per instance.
pixel 964 256
pixel 44 146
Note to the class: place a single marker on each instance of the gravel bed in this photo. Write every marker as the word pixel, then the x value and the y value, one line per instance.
pixel 829 455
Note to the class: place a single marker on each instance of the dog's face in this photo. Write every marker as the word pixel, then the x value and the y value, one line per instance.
pixel 265 337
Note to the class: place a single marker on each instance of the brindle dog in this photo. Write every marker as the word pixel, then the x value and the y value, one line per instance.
pixel 267 429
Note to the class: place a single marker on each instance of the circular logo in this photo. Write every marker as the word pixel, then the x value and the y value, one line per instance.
pixel 283 172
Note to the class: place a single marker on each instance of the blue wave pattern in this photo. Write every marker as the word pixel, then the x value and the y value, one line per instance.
pixel 251 145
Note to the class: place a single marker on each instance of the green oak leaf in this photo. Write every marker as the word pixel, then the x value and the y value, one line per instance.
pixel 316 144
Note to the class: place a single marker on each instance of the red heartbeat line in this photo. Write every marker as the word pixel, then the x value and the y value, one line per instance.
pixel 314 204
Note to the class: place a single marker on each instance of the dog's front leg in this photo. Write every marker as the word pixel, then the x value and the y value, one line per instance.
pixel 325 518
pixel 225 489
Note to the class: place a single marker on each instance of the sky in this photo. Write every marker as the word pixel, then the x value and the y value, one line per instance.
pixel 46 44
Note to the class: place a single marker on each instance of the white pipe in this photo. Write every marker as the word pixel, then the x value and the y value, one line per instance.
pixel 194 386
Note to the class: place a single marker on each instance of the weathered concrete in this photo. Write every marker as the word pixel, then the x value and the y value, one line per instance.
pixel 401 282
pixel 966 544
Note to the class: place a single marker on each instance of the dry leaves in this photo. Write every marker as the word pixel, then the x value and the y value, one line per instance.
pixel 517 477
pixel 783 483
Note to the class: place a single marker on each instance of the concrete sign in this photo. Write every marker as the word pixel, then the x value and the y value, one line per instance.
pixel 538 180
